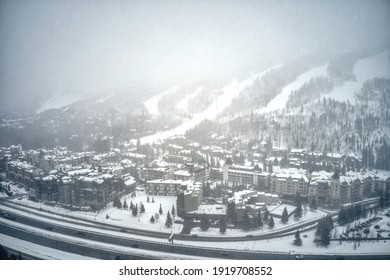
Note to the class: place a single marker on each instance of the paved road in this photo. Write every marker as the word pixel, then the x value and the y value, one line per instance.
pixel 150 246
pixel 69 246
pixel 100 225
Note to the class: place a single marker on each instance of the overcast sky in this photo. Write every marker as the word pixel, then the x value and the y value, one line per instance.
pixel 50 47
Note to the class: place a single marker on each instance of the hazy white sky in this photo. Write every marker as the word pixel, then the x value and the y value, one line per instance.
pixel 69 47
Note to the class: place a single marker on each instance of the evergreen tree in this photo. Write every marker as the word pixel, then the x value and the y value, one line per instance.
pixel 230 211
pixel 259 220
pixel 160 210
pixel 325 237
pixel 153 199
pixel 323 231
pixel 254 222
pixel 330 221
pixel 173 211
pixel 168 221
pixel 147 199
pixel 298 199
pixel 297 241
pixel 284 218
pixel 222 225
pixel 298 211
pixel 131 205
pixel 142 207
pixel 266 216
pixel 271 222
pixel 342 216
pixel 204 223
pixel 125 206
pixel 135 210
pixel 117 203
pixel 152 220
pixel 246 222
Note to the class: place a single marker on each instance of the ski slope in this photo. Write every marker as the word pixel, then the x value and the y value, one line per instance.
pixel 152 103
pixel 182 105
pixel 280 101
pixel 58 101
pixel 229 92
pixel 101 100
pixel 377 66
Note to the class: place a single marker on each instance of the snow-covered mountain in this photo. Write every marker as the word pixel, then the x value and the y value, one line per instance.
pixel 317 103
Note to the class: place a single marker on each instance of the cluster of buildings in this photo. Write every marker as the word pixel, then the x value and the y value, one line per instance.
pixel 178 167
pixel 75 180
pixel 250 201
pixel 328 188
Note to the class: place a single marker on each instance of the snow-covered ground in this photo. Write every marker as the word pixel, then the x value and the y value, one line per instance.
pixel 280 101
pixel 152 103
pixel 307 217
pixel 365 69
pixel 142 221
pixel 13 187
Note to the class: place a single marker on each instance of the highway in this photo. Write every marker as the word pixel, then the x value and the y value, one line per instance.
pixel 80 233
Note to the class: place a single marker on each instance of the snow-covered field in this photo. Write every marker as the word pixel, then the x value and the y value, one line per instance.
pixel 308 215
pixel 142 221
